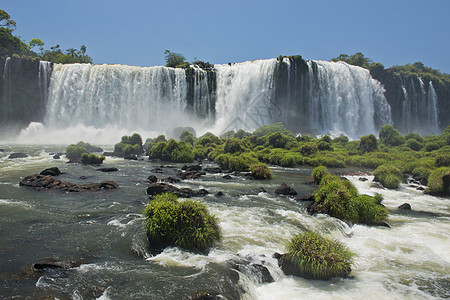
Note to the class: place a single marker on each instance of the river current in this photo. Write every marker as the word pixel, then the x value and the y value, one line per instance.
pixel 103 232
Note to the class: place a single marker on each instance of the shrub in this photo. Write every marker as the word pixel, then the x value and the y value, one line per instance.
pixel 187 224
pixel 308 149
pixel 222 160
pixel 74 152
pixel 342 140
pixel 289 160
pixel 238 163
pixel 91 159
pixel 389 176
pixel 233 146
pixel 318 257
pixel 368 209
pixel 261 171
pixel 277 140
pixel 331 162
pixel 324 146
pixel 208 138
pixel 390 136
pixel 439 182
pixel 89 147
pixel 442 160
pixel 413 144
pixel 368 143
pixel 318 173
pixel 187 137
pixel 275 127
pixel 177 152
pixel 415 136
pixel 431 146
pixel 129 145
pixel 421 173
pixel 157 150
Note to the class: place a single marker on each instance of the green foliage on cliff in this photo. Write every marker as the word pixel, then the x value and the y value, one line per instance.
pixel 91 159
pixel 129 145
pixel 74 152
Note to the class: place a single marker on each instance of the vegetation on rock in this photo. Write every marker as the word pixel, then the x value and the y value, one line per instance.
pixel 186 224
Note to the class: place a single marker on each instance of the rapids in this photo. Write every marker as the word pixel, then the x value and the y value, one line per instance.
pixel 104 232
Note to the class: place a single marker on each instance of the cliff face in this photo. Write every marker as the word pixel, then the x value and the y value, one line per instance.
pixel 21 93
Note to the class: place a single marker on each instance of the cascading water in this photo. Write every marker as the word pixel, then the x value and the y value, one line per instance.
pixel 6 104
pixel 419 107
pixel 45 73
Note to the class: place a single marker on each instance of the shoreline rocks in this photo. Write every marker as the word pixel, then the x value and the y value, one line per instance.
pixel 40 182
pixel 160 187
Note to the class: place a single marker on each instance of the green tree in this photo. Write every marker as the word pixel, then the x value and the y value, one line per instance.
pixel 174 60
pixel 36 43
pixel 6 21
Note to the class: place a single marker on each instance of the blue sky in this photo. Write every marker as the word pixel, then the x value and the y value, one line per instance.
pixel 393 32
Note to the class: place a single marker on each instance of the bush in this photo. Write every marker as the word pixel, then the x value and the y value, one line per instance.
pixel 222 160
pixel 74 152
pixel 208 138
pixel 187 224
pixel 390 136
pixel 439 182
pixel 389 176
pixel 261 171
pixel 318 173
pixel 129 145
pixel 92 159
pixel 277 140
pixel 442 160
pixel 187 137
pixel 368 143
pixel 89 147
pixel 415 136
pixel 413 144
pixel 290 160
pixel 339 198
pixel 324 146
pixel 233 146
pixel 178 152
pixel 275 127
pixel 157 150
pixel 431 146
pixel 341 140
pixel 318 257
pixel 238 163
pixel 308 149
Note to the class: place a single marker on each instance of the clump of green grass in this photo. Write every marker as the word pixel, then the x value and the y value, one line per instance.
pixel 92 159
pixel 318 257
pixel 439 182
pixel 389 176
pixel 260 171
pixel 187 224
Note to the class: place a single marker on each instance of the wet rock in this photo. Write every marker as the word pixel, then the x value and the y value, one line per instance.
pixel 219 194
pixel 18 155
pixel 131 157
pixel 362 179
pixel 285 190
pixel 2 150
pixel 108 169
pixel 227 177
pixel 157 170
pixel 54 171
pixel 157 188
pixel 202 295
pixel 288 267
pixel 83 177
pixel 262 190
pixel 420 188
pixel 251 268
pixel 192 168
pixel 152 178
pixel 56 156
pixel 213 170
pixel 190 174
pixel 405 206
pixel 54 264
pixel 47 182
pixel 304 198
pixel 108 153
pixel 171 180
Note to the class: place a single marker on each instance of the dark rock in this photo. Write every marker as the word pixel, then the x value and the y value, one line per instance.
pixel 171 180
pixel 83 177
pixel 108 169
pixel 18 155
pixel 131 157
pixel 56 156
pixel 249 176
pixel 305 198
pixel 362 179
pixel 152 178
pixel 288 267
pixel 251 269
pixel 213 170
pixel 190 174
pixel 157 170
pixel 161 187
pixel 54 171
pixel 194 168
pixel 47 182
pixel 218 194
pixel 2 150
pixel 420 188
pixel 314 207
pixel 285 190
pixel 405 206
pixel 54 264
pixel 74 161
pixel 109 154
pixel 227 177
pixel 262 190
pixel 51 153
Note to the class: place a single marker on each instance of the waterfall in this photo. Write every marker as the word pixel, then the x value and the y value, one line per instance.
pixel 419 107
pixel 45 72
pixel 6 103
pixel 151 98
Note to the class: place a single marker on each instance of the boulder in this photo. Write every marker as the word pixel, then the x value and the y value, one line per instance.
pixel 213 170
pixel 131 157
pixel 18 155
pixel 47 182
pixel 288 267
pixel 54 171
pixel 46 264
pixel 190 174
pixel 405 206
pixel 304 198
pixel 152 178
pixel 285 190
pixel 251 268
pixel 170 180
pixel 218 194
pixel 191 168
pixel 227 177
pixel 108 169
pixel 161 187
pixel 56 156
pixel 362 179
